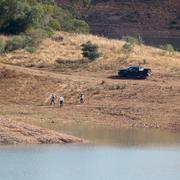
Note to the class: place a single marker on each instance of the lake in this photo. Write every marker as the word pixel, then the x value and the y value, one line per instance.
pixel 88 162
pixel 126 154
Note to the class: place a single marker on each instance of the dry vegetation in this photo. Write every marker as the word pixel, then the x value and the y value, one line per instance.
pixel 67 47
pixel 25 91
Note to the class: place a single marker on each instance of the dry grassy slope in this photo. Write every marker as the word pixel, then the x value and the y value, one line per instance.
pixel 148 18
pixel 113 56
pixel 25 92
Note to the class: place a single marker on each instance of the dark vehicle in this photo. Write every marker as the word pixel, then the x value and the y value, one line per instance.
pixel 134 72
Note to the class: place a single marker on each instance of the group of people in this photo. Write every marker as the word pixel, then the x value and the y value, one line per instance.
pixel 61 100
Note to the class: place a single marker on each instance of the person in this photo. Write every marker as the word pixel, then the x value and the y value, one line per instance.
pixel 61 101
pixel 53 99
pixel 82 98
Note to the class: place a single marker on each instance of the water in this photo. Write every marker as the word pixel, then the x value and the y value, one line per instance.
pixel 88 162
pixel 123 137
pixel 126 154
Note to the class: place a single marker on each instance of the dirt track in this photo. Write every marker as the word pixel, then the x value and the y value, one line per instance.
pixel 109 102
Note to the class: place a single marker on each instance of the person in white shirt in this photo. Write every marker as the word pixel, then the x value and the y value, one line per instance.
pixel 82 98
pixel 61 101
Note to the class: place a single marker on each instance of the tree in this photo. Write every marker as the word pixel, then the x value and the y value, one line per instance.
pixel 17 15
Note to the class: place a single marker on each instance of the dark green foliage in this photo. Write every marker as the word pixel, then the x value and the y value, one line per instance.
pixel 69 22
pixel 1 46
pixel 90 51
pixel 16 42
pixel 30 21
pixel 16 16
pixel 54 24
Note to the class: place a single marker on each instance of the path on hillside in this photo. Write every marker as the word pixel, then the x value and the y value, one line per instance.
pixel 77 78
pixel 49 74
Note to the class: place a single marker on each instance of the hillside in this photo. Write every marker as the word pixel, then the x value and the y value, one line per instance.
pixel 57 67
pixel 152 18
pixel 67 47
pixel 149 18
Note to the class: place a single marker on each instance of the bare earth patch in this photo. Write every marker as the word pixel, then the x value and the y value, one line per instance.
pixel 12 132
pixel 151 103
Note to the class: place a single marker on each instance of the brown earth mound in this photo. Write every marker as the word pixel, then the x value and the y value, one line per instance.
pixel 12 132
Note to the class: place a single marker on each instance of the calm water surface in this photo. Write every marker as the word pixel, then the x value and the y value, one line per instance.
pixel 118 154
pixel 89 163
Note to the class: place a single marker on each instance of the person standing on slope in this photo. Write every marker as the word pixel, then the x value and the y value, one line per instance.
pixel 53 99
pixel 82 98
pixel 61 101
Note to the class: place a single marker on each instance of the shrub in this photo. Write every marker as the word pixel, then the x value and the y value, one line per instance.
pixel 168 48
pixel 90 51
pixel 134 40
pixel 54 24
pixel 31 49
pixel 80 26
pixel 16 42
pixel 69 22
pixel 36 36
pixel 16 16
pixel 128 47
pixel 1 46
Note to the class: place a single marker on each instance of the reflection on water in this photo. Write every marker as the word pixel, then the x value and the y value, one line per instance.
pixel 125 154
pixel 83 162
pixel 127 137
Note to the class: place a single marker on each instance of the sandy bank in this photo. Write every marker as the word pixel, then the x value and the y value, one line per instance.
pixel 12 132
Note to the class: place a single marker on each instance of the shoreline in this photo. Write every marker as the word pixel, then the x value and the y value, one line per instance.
pixel 16 133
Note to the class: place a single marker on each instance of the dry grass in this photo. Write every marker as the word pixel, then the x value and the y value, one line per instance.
pixel 25 95
pixel 67 46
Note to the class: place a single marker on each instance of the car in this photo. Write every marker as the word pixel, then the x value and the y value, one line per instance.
pixel 135 72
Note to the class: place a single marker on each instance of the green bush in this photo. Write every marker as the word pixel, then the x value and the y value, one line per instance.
pixel 31 49
pixel 16 42
pixel 30 21
pixel 54 24
pixel 90 51
pixel 1 46
pixel 16 16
